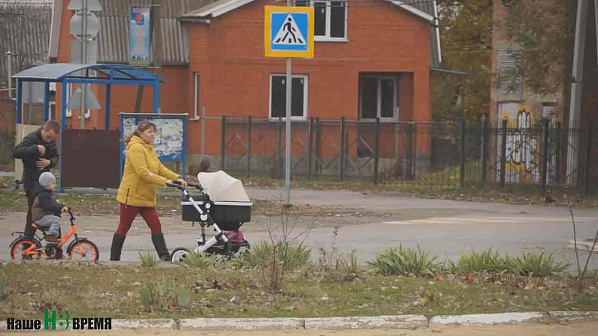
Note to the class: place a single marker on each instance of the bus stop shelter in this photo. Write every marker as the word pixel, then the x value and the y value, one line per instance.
pixel 72 73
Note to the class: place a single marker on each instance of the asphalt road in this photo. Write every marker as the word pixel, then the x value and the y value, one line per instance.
pixel 447 228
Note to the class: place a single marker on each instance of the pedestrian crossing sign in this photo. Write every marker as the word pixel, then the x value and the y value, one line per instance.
pixel 289 32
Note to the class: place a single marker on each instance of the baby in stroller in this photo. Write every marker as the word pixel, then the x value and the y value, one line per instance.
pixel 221 204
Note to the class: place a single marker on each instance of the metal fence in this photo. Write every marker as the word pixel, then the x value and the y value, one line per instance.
pixel 448 154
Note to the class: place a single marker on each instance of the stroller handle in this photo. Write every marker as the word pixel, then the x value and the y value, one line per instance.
pixel 176 184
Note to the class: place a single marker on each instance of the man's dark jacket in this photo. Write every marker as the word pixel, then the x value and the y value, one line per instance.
pixel 28 152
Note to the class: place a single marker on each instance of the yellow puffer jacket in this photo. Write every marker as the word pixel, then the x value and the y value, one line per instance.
pixel 142 174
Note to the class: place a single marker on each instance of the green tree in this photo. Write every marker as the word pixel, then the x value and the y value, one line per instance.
pixel 466 42
pixel 542 29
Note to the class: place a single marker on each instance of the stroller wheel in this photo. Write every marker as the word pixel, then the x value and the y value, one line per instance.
pixel 179 254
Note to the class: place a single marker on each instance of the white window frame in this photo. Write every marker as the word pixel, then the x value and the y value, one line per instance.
pixel 395 99
pixel 327 37
pixel 305 98
pixel 196 95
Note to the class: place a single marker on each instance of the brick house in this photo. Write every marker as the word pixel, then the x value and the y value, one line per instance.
pixel 370 61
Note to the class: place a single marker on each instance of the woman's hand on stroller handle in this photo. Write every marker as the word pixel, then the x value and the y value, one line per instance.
pixel 177 184
pixel 174 184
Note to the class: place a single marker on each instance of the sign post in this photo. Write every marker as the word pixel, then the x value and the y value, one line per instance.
pixel 85 26
pixel 288 32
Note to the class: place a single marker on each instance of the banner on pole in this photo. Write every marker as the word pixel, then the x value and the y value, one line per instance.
pixel 139 36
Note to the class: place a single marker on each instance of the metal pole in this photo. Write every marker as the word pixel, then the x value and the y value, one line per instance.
pixel 107 107
pixel 9 69
pixel 309 147
pixel 248 146
pixel 484 149
pixel 47 101
pixel 342 153
pixel 377 150
pixel 19 101
pixel 29 102
pixel 409 156
pixel 287 168
pixel 318 167
pixel 503 153
pixel 279 149
pixel 84 61
pixel 586 189
pixel 62 129
pixel 558 165
pixel 462 156
pixel 156 97
pixel 544 154
pixel 223 143
pixel 576 91
pixel 414 153
pixel 287 180
pixel 203 129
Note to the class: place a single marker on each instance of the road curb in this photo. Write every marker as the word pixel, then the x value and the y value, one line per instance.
pixel 357 322
pixel 485 319
pixel 145 324
pixel 368 322
pixel 241 323
pixel 567 316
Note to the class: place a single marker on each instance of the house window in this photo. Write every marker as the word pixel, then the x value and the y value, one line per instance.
pixel 330 19
pixel 509 81
pixel 379 97
pixel 278 98
pixel 196 104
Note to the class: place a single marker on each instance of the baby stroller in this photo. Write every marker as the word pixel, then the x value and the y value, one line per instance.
pixel 223 205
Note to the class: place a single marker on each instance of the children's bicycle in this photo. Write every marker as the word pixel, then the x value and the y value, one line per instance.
pixel 80 249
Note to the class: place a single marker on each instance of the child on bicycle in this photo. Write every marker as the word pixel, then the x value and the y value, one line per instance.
pixel 45 210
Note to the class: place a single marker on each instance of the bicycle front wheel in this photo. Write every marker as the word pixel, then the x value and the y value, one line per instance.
pixel 84 250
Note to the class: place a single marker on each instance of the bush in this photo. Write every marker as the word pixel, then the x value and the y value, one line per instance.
pixel 487 261
pixel 404 261
pixel 296 256
pixel 148 259
pixel 202 261
pixel 350 265
pixel 538 265
pixel 163 295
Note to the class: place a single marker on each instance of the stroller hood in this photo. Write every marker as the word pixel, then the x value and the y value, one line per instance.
pixel 222 187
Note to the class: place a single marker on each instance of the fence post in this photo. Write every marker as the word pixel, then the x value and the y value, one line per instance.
pixel 414 151
pixel 462 155
pixel 409 165
pixel 586 190
pixel 342 164
pixel 376 151
pixel 557 167
pixel 249 127
pixel 278 149
pixel 544 153
pixel 503 153
pixel 318 146
pixel 223 143
pixel 484 149
pixel 309 147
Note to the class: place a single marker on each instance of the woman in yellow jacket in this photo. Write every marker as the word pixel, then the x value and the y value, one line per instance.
pixel 137 192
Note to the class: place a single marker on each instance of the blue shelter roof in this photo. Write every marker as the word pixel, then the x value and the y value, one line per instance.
pixel 57 72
